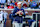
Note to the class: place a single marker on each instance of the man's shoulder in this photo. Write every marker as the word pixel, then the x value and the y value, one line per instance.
pixel 15 8
pixel 22 9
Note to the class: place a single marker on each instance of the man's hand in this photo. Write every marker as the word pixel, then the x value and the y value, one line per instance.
pixel 18 12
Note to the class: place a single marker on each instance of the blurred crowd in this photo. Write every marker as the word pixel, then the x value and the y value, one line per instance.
pixel 10 4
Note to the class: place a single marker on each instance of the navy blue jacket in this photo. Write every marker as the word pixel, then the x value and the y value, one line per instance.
pixel 30 22
pixel 18 18
pixel 11 17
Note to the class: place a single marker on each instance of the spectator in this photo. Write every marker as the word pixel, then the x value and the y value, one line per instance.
pixel 24 2
pixel 39 5
pixel 2 6
pixel 24 6
pixel 13 3
pixel 29 3
pixel 26 24
pixel 10 16
pixel 33 5
pixel 8 2
pixel 30 22
pixel 10 7
pixel 5 7
pixel 5 17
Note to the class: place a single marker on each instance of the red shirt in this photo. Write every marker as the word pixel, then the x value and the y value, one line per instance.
pixel 10 7
pixel 25 5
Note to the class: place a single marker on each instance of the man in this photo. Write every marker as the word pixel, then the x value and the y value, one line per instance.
pixel 5 7
pixel 1 19
pixel 39 5
pixel 13 3
pixel 5 18
pixel 26 24
pixel 5 15
pixel 17 14
pixel 2 6
pixel 8 2
pixel 10 16
pixel 34 5
pixel 30 22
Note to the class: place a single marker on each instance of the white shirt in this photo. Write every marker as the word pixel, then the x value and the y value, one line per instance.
pixel 5 15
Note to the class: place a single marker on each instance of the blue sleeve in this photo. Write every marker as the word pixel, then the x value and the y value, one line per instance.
pixel 9 16
pixel 14 11
pixel 23 12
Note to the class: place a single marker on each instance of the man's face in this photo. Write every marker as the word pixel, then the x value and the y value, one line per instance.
pixel 19 5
